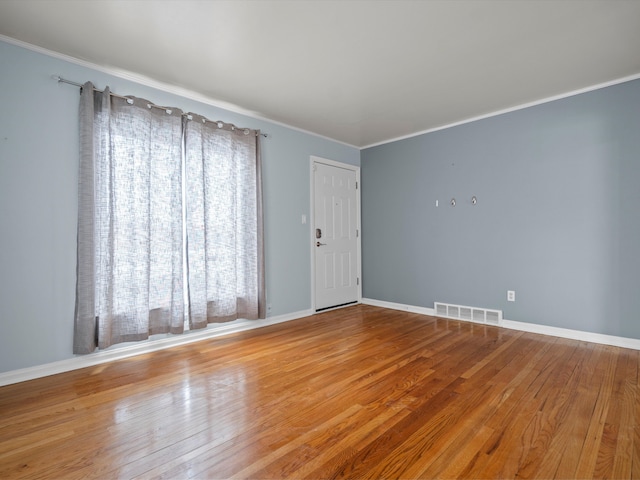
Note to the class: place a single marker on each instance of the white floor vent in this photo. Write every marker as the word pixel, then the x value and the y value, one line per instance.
pixel 469 314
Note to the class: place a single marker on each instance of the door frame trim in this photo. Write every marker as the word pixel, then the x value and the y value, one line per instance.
pixel 313 160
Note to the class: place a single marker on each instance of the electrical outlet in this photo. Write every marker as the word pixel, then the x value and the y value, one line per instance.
pixel 511 295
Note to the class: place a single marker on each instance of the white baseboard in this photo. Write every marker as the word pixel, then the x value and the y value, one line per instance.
pixel 118 353
pixel 398 306
pixel 581 335
pixel 601 338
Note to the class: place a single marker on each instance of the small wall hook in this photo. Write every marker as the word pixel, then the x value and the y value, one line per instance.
pixel 453 202
pixel 474 200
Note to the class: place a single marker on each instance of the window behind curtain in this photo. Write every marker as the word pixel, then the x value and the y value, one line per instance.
pixel 222 222
pixel 133 200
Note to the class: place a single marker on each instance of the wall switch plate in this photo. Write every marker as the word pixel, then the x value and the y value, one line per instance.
pixel 511 295
pixel 304 219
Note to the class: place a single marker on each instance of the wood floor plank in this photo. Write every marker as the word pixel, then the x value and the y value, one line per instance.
pixel 574 436
pixel 553 438
pixel 614 456
pixel 589 453
pixel 461 458
pixel 473 432
pixel 360 392
pixel 524 398
pixel 635 463
pixel 323 452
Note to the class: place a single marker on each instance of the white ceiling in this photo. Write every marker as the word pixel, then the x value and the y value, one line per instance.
pixel 360 72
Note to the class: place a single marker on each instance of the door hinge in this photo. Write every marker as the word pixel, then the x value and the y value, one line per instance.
pixel 358 281
pixel 356 185
pixel 357 233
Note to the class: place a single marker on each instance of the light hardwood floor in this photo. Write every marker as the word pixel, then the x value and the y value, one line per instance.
pixel 361 392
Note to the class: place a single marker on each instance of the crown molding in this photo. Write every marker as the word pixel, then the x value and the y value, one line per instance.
pixel 510 109
pixel 165 87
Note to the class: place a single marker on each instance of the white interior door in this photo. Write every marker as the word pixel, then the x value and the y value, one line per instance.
pixel 335 241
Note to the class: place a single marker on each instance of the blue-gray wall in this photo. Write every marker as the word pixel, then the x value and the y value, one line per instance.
pixel 38 201
pixel 557 219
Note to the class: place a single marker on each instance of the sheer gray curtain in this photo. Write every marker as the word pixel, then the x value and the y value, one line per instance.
pixel 224 223
pixel 132 235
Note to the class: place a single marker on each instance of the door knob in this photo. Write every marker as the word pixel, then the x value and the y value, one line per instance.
pixel 318 244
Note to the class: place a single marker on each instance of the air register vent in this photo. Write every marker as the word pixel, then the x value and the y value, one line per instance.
pixel 468 314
